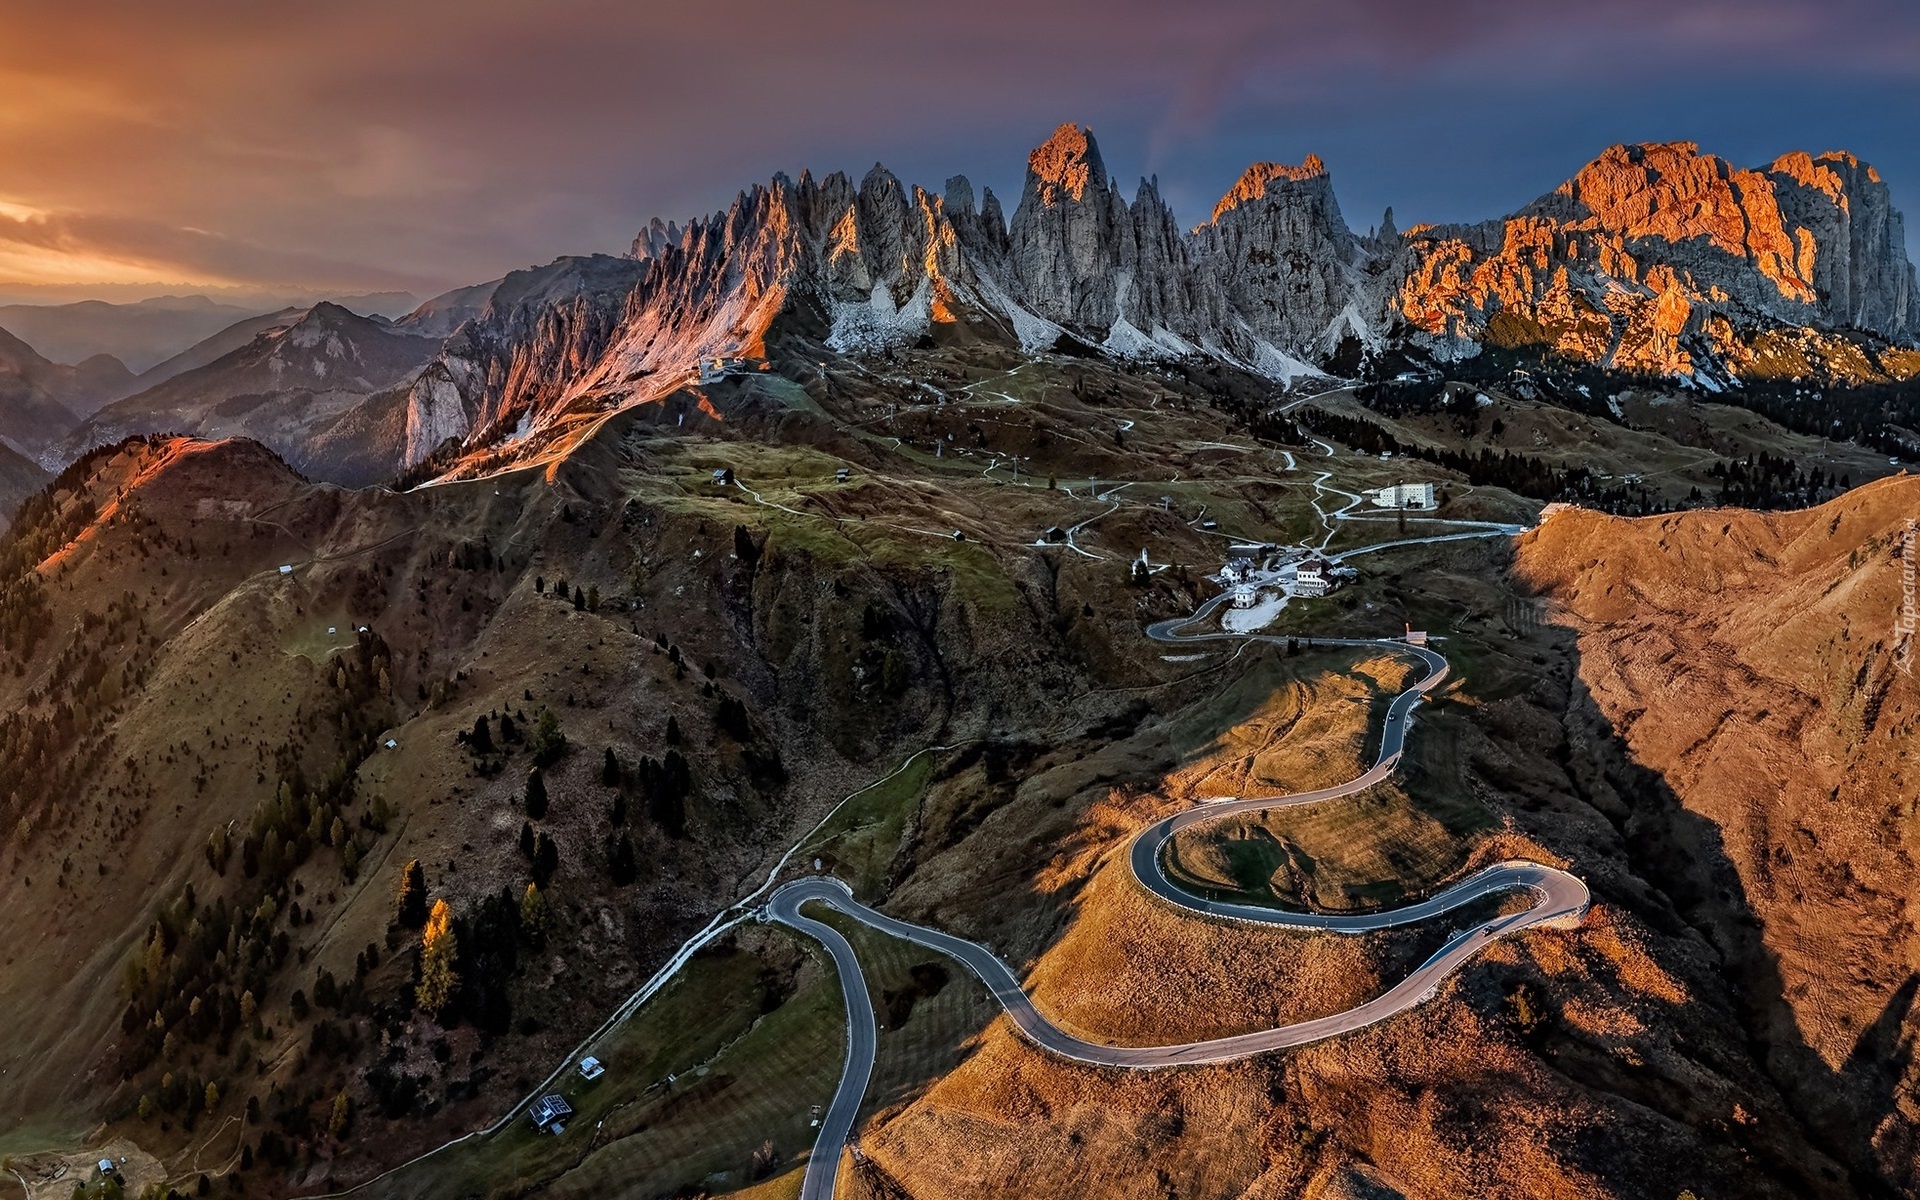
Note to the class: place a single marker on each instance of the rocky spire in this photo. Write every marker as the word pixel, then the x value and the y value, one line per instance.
pixel 1066 236
pixel 958 196
pixel 1283 256
pixel 1851 243
pixel 1065 165
pixel 1259 177
pixel 1163 290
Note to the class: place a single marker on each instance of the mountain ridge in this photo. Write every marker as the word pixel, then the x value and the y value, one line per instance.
pixel 293 378
pixel 1652 260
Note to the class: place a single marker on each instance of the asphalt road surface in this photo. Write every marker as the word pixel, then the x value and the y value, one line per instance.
pixel 863 1036
pixel 1557 898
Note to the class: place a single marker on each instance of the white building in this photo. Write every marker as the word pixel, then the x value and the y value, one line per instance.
pixel 713 370
pixel 1403 495
pixel 550 1114
pixel 1310 580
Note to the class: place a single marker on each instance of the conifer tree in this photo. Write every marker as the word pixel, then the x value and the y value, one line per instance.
pixel 438 953
pixel 410 901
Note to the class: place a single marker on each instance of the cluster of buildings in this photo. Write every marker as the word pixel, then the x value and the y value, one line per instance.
pixel 1249 568
pixel 1310 579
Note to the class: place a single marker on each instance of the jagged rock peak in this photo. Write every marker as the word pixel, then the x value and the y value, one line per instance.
pixel 1259 177
pixel 1066 163
pixel 656 239
pixel 958 196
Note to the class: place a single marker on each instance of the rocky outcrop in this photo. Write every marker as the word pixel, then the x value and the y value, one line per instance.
pixel 1069 233
pixel 1649 244
pixel 1849 242
pixel 520 357
pixel 1285 261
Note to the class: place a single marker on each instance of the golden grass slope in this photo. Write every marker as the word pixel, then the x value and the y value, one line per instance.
pixel 1752 661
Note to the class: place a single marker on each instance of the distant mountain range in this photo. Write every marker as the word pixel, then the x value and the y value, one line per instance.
pixel 1654 260
pixel 40 400
pixel 145 332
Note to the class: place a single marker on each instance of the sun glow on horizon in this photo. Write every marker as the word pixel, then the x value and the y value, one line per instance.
pixel 34 250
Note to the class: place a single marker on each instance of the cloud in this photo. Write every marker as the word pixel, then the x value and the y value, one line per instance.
pixel 378 145
pixel 42 247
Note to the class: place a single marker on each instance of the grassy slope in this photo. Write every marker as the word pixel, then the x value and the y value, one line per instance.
pixel 1753 662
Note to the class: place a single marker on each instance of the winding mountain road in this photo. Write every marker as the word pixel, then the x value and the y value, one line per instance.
pixel 1558 898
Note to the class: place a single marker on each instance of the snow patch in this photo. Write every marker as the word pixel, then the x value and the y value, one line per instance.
pixel 879 323
pixel 1173 343
pixel 1279 366
pixel 1350 320
pixel 1035 332
pixel 1126 341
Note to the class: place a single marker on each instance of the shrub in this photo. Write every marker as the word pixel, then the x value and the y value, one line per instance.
pixel 548 743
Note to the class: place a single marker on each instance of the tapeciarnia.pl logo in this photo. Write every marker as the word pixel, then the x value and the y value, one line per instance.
pixel 1905 621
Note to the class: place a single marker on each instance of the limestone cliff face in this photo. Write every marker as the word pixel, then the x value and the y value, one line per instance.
pixel 1071 235
pixel 1165 286
pixel 1648 244
pixel 1850 243
pixel 539 332
pixel 1285 260
pixel 1652 258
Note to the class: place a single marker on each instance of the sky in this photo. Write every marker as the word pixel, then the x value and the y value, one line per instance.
pixel 418 145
